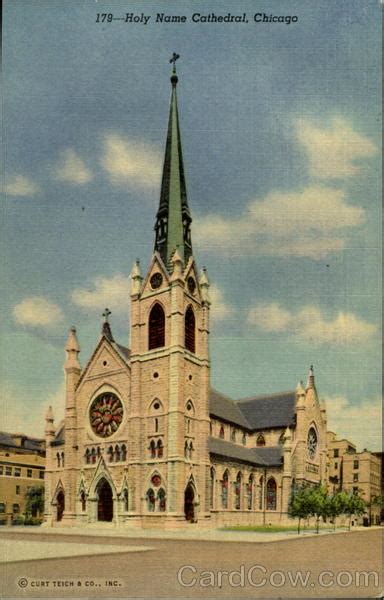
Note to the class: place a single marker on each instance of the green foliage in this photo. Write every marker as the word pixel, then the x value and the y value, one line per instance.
pixel 18 520
pixel 34 501
pixel 33 520
pixel 300 504
pixel 314 501
pixel 378 500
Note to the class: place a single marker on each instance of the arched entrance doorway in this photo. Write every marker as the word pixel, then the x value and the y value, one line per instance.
pixel 105 501
pixel 60 505
pixel 189 507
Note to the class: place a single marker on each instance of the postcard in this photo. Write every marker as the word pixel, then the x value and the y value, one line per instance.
pixel 190 350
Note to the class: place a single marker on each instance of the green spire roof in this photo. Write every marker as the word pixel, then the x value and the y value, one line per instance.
pixel 173 218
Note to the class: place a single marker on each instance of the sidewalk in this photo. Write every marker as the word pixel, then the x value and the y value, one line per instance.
pixel 209 535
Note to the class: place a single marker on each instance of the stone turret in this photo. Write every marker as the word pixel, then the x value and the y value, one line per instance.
pixel 136 278
pixel 204 286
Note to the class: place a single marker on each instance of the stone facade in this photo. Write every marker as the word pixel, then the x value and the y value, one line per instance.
pixel 145 441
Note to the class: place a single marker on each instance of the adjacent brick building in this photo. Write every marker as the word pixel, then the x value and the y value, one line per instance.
pixel 22 465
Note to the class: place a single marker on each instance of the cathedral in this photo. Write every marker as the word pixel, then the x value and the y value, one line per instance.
pixel 146 441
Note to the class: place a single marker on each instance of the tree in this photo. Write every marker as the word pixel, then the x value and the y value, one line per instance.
pixel 299 505
pixel 355 506
pixel 336 505
pixel 318 504
pixel 34 501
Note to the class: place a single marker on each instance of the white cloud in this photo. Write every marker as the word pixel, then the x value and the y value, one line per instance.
pixel 112 292
pixel 220 309
pixel 37 311
pixel 23 418
pixel 130 161
pixel 310 325
pixel 333 151
pixel 309 223
pixel 72 169
pixel 270 317
pixel 346 420
pixel 19 185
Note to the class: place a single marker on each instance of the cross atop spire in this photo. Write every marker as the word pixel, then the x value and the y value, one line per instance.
pixel 173 60
pixel 173 218
pixel 106 329
pixel 106 314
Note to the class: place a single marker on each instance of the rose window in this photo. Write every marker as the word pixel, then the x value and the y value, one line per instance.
pixel 106 414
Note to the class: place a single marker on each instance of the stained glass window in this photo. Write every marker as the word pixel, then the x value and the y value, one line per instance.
pixel 161 500
pixel 151 500
pixel 106 414
pixel 224 490
pixel 250 492
pixel 271 494
pixel 238 491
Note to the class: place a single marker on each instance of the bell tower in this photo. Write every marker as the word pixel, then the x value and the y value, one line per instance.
pixel 170 356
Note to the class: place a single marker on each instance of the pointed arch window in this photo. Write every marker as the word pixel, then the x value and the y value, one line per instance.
pixel 282 439
pixel 110 454
pixel 150 497
pixel 191 450
pixel 58 459
pixel 161 500
pixel 117 453
pixel 156 327
pixel 125 500
pixel 260 440
pixel 238 491
pixel 152 449
pixel 93 456
pixel 160 449
pixel 123 452
pixel 186 449
pixel 271 494
pixel 212 487
pixel 250 492
pixel 224 490
pixel 83 501
pixel 156 424
pixel 87 456
pixel 221 434
pixel 189 330
pixel 261 493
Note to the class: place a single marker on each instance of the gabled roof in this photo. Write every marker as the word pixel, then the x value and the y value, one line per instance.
pixel 123 352
pixel 59 435
pixel 28 443
pixel 263 412
pixel 226 409
pixel 258 412
pixel 264 457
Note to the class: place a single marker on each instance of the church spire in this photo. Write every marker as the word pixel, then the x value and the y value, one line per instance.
pixel 173 218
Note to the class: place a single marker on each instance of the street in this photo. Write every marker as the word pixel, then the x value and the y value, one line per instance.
pixel 342 565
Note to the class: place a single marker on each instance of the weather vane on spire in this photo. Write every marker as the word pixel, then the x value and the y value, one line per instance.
pixel 173 60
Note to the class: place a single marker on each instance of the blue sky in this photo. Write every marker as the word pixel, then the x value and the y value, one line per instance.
pixel 280 129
